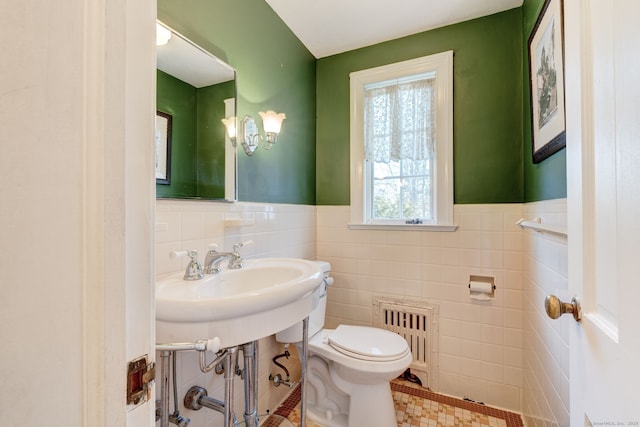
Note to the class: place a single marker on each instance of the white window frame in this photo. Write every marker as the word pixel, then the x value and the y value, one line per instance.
pixel 442 65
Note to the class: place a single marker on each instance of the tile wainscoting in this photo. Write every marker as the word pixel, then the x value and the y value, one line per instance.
pixel 277 231
pixel 546 356
pixel 481 344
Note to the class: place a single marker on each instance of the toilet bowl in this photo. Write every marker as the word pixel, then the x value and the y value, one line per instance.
pixel 349 369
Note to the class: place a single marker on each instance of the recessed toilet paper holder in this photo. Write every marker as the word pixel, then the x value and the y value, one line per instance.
pixel 482 288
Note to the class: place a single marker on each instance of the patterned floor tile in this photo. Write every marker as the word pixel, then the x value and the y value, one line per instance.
pixel 416 407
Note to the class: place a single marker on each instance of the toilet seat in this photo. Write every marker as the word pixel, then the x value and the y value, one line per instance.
pixel 366 343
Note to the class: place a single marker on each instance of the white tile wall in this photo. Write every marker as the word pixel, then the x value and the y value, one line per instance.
pixel 546 350
pixel 504 352
pixel 276 230
pixel 481 343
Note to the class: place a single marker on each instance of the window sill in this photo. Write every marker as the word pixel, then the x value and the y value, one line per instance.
pixel 403 227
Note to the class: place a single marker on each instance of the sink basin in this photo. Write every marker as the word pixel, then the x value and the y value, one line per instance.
pixel 266 296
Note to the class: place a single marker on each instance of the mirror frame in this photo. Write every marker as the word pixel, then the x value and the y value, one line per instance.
pixel 163 148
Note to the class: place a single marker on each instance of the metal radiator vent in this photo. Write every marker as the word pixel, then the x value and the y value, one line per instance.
pixel 416 322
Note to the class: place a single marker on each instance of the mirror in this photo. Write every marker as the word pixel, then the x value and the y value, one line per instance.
pixel 195 159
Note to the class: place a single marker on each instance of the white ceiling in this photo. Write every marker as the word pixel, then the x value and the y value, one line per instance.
pixel 328 27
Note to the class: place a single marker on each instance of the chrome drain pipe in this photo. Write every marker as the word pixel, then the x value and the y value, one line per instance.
pixel 229 372
pixel 303 376
pixel 196 398
pixel 165 357
pixel 175 417
pixel 250 351
pixel 162 405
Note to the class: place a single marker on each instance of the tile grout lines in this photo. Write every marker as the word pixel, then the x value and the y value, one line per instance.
pixel 417 406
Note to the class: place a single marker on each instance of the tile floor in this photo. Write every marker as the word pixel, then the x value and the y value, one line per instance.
pixel 415 407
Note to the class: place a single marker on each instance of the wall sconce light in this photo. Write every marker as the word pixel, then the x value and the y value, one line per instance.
pixel 230 126
pixel 272 123
pixel 250 137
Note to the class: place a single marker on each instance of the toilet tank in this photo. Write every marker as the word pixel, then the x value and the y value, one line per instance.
pixel 293 334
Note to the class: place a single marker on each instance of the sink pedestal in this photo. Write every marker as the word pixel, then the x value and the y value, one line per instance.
pixel 233 309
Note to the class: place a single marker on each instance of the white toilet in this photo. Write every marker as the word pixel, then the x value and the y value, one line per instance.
pixel 349 369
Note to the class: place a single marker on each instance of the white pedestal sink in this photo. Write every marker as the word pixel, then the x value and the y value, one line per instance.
pixel 266 296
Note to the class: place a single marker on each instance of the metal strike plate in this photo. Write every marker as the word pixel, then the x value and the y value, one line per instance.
pixel 140 374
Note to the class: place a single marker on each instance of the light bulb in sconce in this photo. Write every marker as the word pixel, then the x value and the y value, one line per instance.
pixel 163 35
pixel 230 126
pixel 272 123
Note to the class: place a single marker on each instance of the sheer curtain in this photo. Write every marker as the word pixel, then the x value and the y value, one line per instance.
pixel 400 121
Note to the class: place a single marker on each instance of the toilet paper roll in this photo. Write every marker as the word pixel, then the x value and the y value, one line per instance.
pixel 481 287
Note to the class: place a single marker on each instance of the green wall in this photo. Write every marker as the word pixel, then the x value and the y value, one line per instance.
pixel 547 179
pixel 197 136
pixel 275 71
pixel 492 133
pixel 211 139
pixel 179 99
pixel 487 107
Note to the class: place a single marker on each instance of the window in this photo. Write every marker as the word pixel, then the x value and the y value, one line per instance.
pixel 402 145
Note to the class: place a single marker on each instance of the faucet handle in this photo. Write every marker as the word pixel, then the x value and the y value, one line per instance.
pixel 212 248
pixel 194 269
pixel 236 261
pixel 241 244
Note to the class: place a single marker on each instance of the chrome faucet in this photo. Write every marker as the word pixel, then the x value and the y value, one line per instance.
pixel 194 269
pixel 214 258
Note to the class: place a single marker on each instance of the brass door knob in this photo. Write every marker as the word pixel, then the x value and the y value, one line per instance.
pixel 556 308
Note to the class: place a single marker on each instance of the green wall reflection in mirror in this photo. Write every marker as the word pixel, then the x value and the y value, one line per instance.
pixel 197 90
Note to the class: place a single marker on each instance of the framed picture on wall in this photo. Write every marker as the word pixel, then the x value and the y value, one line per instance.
pixel 546 82
pixel 163 148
